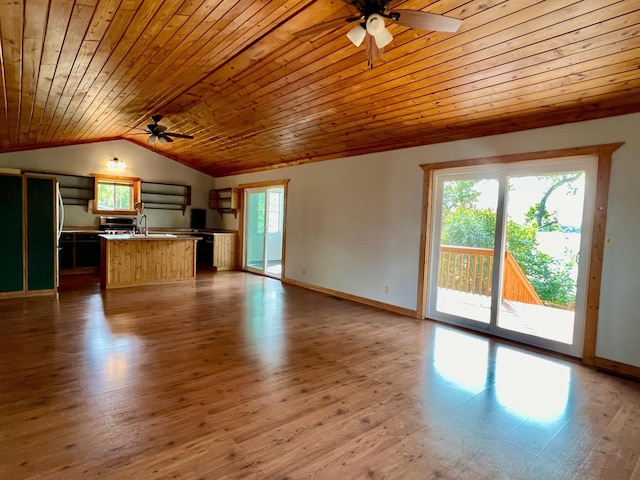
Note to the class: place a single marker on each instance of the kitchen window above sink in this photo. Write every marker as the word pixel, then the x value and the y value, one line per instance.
pixel 116 195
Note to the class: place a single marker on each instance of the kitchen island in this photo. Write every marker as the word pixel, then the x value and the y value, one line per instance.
pixel 129 260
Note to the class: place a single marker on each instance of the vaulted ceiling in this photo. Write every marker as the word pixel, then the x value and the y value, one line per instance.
pixel 255 96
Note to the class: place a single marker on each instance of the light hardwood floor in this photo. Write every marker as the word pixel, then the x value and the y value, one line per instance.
pixel 239 376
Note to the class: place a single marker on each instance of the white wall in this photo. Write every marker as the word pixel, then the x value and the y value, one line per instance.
pixel 142 163
pixel 354 223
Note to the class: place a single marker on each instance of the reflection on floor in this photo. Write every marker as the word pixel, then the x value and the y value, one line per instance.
pixel 537 320
pixel 239 376
pixel 274 267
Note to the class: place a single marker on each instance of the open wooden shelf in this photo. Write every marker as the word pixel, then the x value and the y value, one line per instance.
pixel 224 200
pixel 79 190
pixel 165 196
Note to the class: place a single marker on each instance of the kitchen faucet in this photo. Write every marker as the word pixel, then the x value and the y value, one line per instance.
pixel 144 230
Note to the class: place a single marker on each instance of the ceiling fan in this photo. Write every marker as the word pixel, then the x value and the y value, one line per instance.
pixel 371 27
pixel 159 132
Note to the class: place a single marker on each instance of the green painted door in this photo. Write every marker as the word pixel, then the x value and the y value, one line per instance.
pixel 11 265
pixel 41 238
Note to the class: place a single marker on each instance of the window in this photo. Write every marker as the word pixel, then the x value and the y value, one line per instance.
pixel 116 194
pixel 273 210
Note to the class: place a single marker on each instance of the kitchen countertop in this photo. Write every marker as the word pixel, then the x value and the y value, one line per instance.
pixel 175 231
pixel 151 236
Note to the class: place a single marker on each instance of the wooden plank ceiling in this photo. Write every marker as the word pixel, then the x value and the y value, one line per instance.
pixel 232 74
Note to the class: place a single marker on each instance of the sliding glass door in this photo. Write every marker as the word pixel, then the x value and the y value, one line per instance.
pixel 264 225
pixel 468 208
pixel 509 250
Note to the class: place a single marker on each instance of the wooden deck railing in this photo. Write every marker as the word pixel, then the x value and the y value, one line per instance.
pixel 469 270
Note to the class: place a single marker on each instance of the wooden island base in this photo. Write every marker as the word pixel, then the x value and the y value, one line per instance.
pixel 139 260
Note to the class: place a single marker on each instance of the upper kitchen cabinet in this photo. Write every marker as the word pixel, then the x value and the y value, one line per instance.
pixel 28 242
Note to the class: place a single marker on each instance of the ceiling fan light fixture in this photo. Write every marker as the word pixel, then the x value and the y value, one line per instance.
pixel 162 140
pixel 356 35
pixel 151 139
pixel 384 38
pixel 377 29
pixel 375 24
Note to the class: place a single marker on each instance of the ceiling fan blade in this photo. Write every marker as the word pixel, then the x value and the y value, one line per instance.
pixel 137 131
pixel 425 21
pixel 325 26
pixel 392 4
pixel 177 135
pixel 359 4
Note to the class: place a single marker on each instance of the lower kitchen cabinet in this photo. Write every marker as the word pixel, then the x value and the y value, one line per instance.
pixel 224 251
pixel 87 250
pixel 66 251
pixel 79 251
pixel 204 250
pixel 217 250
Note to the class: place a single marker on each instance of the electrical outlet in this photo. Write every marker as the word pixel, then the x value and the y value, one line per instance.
pixel 386 289
pixel 304 271
pixel 608 241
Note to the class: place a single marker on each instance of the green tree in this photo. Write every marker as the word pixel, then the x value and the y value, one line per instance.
pixel 469 227
pixel 460 193
pixel 548 221
pixel 466 226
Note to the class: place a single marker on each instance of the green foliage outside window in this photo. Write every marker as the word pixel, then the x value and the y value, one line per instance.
pixel 465 225
pixel 115 196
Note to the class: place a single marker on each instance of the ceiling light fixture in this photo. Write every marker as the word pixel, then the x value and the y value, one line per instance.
pixel 356 35
pixel 377 29
pixel 371 29
pixel 151 139
pixel 116 164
